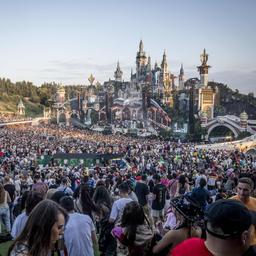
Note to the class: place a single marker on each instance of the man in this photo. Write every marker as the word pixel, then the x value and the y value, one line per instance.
pixel 199 177
pixel 64 187
pixel 142 192
pixel 159 193
pixel 229 226
pixel 79 235
pixel 32 200
pixel 244 189
pixel 39 186
pixel 118 205
pixel 116 215
pixel 201 194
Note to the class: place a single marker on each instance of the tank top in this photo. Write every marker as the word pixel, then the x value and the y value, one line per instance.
pixel 4 204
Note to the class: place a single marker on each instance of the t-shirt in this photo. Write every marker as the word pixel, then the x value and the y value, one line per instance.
pixel 118 208
pixel 201 195
pixel 77 235
pixel 142 191
pixel 160 193
pixel 250 205
pixel 196 247
pixel 191 247
pixel 19 224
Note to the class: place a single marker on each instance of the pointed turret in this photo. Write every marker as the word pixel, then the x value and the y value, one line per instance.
pixel 141 46
pixel 181 70
pixel 21 108
pixel 156 66
pixel 149 64
pixel 203 69
pixel 118 73
pixel 141 61
pixel 60 94
pixel 181 78
pixel 164 65
pixel 131 73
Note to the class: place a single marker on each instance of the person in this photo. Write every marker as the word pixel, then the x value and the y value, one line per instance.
pixel 201 194
pixel 131 193
pixel 10 188
pixel 142 192
pixel 32 200
pixel 158 204
pixel 199 177
pixel 39 186
pixel 4 208
pixel 189 215
pixel 79 235
pixel 229 227
pixel 172 186
pixel 43 229
pixel 244 189
pixel 118 205
pixel 64 187
pixel 117 212
pixel 103 200
pixel 182 186
pixel 135 231
pixel 84 203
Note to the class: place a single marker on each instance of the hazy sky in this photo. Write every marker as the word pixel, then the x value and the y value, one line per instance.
pixel 67 40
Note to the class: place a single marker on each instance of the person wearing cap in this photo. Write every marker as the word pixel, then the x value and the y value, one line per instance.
pixel 244 190
pixel 229 226
pixel 188 215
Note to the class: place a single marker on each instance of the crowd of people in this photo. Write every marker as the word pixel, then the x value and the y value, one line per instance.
pixel 6 117
pixel 172 199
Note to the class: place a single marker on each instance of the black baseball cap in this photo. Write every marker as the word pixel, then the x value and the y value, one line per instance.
pixel 228 218
pixel 188 208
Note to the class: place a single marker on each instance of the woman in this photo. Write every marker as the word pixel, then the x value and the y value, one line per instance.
pixel 188 215
pixel 103 201
pixel 135 232
pixel 43 229
pixel 84 203
pixel 4 208
pixel 183 186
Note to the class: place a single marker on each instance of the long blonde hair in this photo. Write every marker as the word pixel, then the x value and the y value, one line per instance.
pixel 2 193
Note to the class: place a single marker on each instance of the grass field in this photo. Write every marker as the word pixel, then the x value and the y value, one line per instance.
pixel 4 248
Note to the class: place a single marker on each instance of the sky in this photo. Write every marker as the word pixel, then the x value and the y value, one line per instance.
pixel 66 40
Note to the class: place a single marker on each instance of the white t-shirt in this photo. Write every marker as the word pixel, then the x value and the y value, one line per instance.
pixel 199 178
pixel 19 224
pixel 78 235
pixel 118 208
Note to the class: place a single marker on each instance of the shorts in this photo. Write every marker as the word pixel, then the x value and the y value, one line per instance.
pixel 157 213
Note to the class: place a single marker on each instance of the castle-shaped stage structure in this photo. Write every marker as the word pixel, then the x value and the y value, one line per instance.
pixel 141 98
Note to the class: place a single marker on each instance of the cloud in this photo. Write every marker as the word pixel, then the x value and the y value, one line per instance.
pixel 79 71
pixel 244 81
pixel 76 65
